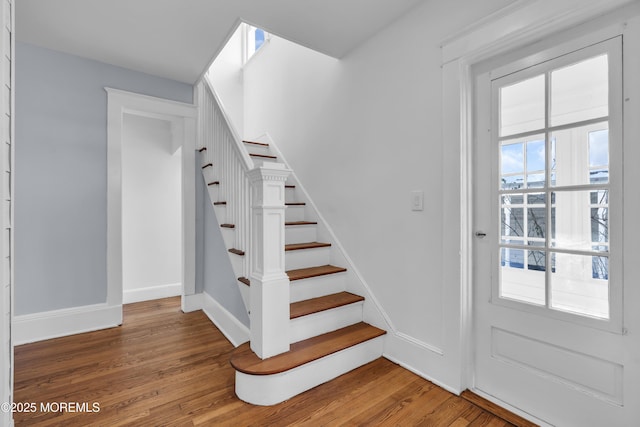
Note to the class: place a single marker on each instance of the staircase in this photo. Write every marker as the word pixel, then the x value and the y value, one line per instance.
pixel 325 335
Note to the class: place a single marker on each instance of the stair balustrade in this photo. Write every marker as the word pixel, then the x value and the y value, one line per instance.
pixel 254 210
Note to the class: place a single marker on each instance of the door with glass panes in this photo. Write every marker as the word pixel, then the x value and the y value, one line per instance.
pixel 548 221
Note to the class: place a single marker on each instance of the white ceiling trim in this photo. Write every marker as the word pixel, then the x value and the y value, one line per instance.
pixel 516 23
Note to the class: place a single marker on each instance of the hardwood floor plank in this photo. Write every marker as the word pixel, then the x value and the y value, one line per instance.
pixel 164 367
pixel 495 409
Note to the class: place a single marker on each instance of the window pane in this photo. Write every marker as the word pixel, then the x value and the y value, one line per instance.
pixel 579 284
pixel 580 155
pixel 259 38
pixel 580 224
pixel 599 219
pixel 512 224
pixel 599 156
pixel 536 260
pixel 535 156
pixel 518 283
pixel 536 222
pixel 512 158
pixel 520 158
pixel 522 106
pixel 580 91
pixel 512 199
pixel 536 199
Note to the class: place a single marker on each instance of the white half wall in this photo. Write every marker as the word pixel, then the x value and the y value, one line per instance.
pixel 151 210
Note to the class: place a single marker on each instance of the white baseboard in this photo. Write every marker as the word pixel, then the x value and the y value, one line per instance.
pixel 69 321
pixel 421 358
pixel 191 303
pixel 236 332
pixel 151 293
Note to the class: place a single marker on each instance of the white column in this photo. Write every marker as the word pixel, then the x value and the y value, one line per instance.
pixel 269 282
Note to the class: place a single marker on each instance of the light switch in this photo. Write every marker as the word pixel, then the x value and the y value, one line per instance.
pixel 417 200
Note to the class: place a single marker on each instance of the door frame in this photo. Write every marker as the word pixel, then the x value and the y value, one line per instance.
pixel 521 24
pixel 182 118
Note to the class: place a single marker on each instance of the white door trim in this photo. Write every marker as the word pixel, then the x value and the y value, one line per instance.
pixel 182 117
pixel 518 25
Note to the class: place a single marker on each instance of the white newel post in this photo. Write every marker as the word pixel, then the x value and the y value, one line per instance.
pixel 269 281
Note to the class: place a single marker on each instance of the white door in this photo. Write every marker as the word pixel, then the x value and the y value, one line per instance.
pixel 548 253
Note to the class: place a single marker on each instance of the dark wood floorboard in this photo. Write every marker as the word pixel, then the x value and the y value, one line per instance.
pixel 166 368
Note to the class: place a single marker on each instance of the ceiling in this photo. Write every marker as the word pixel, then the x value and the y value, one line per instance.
pixel 177 39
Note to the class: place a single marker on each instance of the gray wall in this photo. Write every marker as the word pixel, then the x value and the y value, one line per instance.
pixel 61 174
pixel 214 274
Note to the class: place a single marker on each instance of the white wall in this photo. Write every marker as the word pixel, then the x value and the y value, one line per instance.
pixel 151 209
pixel 61 174
pixel 375 119
pixel 226 76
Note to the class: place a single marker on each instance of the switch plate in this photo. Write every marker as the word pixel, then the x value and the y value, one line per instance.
pixel 417 200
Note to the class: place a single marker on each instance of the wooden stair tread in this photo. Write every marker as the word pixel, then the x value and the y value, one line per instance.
pixel 246 361
pixel 327 302
pixel 256 143
pixel 236 251
pixel 214 183
pixel 219 203
pixel 208 165
pixel 294 223
pixel 264 156
pixel 200 150
pixel 289 186
pixel 305 273
pixel 295 204
pixel 227 225
pixel 309 245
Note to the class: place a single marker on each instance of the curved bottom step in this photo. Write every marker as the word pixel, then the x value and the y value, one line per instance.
pixel 308 364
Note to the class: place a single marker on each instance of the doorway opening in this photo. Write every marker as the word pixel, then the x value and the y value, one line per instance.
pixel 174 123
pixel 151 210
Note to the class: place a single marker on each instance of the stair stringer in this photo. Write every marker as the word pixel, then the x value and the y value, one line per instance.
pixel 373 312
pixel 218 142
pixel 219 216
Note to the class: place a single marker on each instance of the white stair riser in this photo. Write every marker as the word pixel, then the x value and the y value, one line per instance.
pixel 272 389
pixel 228 235
pixel 300 234
pixel 294 213
pixel 258 149
pixel 259 161
pixel 237 262
pixel 303 258
pixel 290 195
pixel 315 324
pixel 221 213
pixel 208 174
pixel 318 286
pixel 213 192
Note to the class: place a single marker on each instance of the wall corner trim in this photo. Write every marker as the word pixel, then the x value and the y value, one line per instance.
pixel 193 302
pixel 34 327
pixel 236 332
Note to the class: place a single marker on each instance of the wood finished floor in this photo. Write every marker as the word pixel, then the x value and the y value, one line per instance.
pixel 166 368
